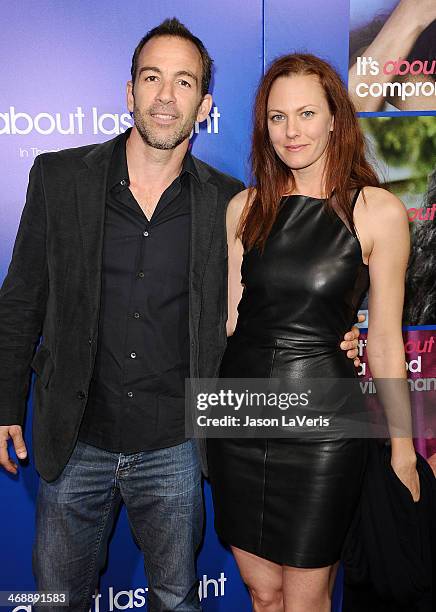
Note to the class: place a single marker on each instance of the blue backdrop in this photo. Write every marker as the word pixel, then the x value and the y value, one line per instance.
pixel 63 70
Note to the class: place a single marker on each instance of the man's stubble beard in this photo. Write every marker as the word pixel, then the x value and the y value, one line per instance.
pixel 170 141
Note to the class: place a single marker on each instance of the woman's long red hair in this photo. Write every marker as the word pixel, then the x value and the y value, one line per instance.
pixel 346 167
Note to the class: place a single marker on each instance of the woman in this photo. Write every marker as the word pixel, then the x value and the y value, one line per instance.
pixel 420 303
pixel 420 300
pixel 308 237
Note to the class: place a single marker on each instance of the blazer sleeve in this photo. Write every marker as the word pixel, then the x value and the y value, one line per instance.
pixel 23 298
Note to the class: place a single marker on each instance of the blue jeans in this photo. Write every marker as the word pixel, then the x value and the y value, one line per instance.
pixel 76 513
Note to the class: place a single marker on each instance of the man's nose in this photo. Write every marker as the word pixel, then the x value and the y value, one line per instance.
pixel 165 94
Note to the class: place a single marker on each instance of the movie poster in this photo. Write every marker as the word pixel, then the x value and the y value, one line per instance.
pixel 392 55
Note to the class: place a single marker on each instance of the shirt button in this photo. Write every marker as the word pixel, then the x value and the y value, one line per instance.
pixel 129 393
pixel 136 315
pixel 145 233
pixel 141 274
pixel 81 394
pixel 123 182
pixel 133 355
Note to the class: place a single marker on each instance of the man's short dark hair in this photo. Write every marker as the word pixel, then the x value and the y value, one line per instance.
pixel 173 27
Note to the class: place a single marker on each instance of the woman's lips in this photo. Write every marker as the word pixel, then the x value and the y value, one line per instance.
pixel 295 148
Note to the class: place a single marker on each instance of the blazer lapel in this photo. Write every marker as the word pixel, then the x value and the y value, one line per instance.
pixel 204 200
pixel 91 184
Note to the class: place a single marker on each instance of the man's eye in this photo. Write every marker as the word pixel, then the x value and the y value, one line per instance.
pixel 184 83
pixel 151 77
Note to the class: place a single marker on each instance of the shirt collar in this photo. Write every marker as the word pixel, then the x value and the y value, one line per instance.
pixel 119 173
pixel 189 166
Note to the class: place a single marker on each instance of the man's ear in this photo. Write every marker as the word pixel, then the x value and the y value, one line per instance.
pixel 204 108
pixel 130 96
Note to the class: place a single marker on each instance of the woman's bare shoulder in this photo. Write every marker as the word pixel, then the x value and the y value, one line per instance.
pixel 383 205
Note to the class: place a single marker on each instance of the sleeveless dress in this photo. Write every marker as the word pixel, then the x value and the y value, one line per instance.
pixel 292 500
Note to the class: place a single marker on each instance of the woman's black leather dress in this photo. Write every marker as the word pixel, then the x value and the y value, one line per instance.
pixel 292 500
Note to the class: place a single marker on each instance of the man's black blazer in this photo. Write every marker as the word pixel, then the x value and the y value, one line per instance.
pixel 53 288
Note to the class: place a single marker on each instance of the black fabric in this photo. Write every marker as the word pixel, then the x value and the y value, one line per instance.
pixel 389 556
pixel 136 396
pixel 307 285
pixel 53 286
pixel 288 501
pixel 292 500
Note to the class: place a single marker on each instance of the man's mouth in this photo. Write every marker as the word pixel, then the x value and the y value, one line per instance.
pixel 163 117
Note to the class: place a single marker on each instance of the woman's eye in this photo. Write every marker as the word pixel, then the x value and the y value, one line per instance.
pixel 308 113
pixel 276 118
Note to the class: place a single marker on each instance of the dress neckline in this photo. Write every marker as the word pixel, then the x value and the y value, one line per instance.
pixel 304 197
pixel 322 201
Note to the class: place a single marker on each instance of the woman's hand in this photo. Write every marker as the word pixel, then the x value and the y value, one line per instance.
pixel 405 469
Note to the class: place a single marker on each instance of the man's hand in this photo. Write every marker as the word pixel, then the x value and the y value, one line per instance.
pixel 14 432
pixel 349 343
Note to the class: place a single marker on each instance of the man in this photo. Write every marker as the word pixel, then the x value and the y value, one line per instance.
pixel 120 260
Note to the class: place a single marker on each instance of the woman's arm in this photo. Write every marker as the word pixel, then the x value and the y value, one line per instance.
pixel 383 220
pixel 416 102
pixel 235 251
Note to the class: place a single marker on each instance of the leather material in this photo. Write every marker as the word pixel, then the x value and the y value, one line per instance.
pixel 307 285
pixel 292 500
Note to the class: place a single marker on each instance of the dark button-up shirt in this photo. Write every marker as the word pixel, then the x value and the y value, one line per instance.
pixel 136 396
